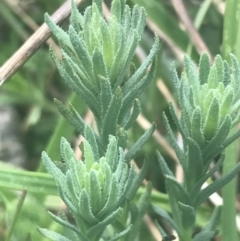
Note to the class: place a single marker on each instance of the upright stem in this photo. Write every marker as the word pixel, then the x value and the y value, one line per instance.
pixel 231 35
pixel 229 230
pixel 187 236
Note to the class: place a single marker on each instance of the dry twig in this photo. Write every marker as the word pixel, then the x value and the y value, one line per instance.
pixel 152 228
pixel 173 47
pixel 193 33
pixel 33 43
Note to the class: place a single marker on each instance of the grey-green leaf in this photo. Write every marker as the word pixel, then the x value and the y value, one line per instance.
pixel 204 68
pixel 216 185
pixel 110 121
pixel 54 236
pixel 139 143
pixel 162 213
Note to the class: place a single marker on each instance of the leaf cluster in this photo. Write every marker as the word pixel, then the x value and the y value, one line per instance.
pixel 209 102
pixel 93 189
pixel 96 65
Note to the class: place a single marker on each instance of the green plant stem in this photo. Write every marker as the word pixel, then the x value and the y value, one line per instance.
pixel 16 214
pixel 229 230
pixel 231 35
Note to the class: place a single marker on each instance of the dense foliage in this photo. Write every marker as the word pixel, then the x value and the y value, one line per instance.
pixel 116 69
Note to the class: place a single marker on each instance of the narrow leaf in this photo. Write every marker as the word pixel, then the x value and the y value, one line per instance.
pixel 138 20
pixel 192 75
pixel 76 18
pixel 88 155
pixel 143 205
pixel 131 176
pixel 179 152
pixel 126 58
pixel 213 77
pixel 176 81
pixel 122 137
pixel 56 30
pixel 107 183
pixel 227 77
pixel 137 146
pixel 139 179
pixel 96 230
pixel 177 190
pixel 216 185
pixel 126 22
pixel 220 69
pixel 217 140
pixel 236 74
pixel 99 5
pixel 205 235
pixel 99 67
pixel 81 51
pixel 132 82
pixel 90 137
pixel 35 182
pixel 214 220
pixel 163 165
pixel 105 95
pixel 211 124
pixel 107 44
pixel 53 235
pixel 112 153
pixel 86 28
pixel 73 118
pixel 204 68
pixel 69 203
pixel 70 186
pixel 117 9
pixel 226 105
pixel 121 234
pixel 137 90
pixel 133 115
pixel 16 214
pixel 84 208
pixel 197 134
pixel 52 168
pixel 188 216
pixel 85 89
pixel 112 198
pixel 110 120
pixel 67 224
pixel 177 122
pixel 195 191
pixel 95 192
pixel 195 164
pixel 162 213
pixel 67 153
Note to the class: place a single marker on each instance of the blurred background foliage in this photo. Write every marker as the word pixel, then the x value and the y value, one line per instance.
pixel 30 123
